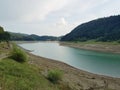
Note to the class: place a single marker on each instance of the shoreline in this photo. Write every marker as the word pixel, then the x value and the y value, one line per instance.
pixel 60 62
pixel 75 78
pixel 29 53
pixel 107 48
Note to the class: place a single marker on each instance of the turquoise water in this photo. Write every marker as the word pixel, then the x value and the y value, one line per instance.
pixel 91 61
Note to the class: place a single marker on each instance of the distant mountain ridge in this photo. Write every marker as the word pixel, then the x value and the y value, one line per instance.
pixel 102 29
pixel 32 37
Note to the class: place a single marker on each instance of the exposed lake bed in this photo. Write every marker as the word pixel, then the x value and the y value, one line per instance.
pixel 74 78
pixel 108 47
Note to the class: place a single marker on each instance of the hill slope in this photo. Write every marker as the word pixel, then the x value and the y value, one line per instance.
pixel 103 29
pixel 32 37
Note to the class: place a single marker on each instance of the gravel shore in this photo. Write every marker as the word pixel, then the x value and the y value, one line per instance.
pixel 111 48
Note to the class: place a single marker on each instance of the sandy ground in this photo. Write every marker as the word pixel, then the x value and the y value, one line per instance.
pixel 74 78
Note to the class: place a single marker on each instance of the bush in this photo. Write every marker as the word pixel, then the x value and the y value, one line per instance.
pixel 118 41
pixel 55 75
pixel 18 54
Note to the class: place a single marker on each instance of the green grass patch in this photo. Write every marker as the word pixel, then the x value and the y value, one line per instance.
pixel 22 76
pixel 18 54
pixel 55 75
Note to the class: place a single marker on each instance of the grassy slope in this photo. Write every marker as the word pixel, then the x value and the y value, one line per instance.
pixel 21 76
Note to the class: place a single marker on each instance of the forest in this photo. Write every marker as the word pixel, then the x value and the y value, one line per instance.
pixel 102 29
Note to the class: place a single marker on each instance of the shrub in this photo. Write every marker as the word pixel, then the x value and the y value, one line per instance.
pixel 18 54
pixel 118 41
pixel 55 75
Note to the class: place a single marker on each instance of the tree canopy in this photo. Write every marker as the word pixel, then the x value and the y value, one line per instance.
pixel 4 36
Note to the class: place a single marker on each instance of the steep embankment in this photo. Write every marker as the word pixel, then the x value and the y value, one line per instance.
pixel 4 45
pixel 22 76
pixel 103 29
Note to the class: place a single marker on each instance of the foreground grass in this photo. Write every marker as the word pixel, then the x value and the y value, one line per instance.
pixel 18 54
pixel 17 76
pixel 55 75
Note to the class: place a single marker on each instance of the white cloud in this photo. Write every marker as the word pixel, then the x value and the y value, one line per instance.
pixel 29 10
pixel 40 12
pixel 61 22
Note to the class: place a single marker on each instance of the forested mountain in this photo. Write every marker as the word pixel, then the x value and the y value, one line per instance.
pixel 17 36
pixel 32 37
pixel 4 36
pixel 102 29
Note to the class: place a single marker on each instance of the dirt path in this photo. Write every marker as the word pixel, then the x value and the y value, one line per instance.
pixel 74 78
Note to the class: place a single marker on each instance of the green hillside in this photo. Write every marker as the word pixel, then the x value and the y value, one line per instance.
pixel 102 29
pixel 17 36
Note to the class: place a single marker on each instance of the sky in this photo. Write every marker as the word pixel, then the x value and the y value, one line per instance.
pixel 52 17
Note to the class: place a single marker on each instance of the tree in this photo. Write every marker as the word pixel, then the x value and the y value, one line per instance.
pixel 4 36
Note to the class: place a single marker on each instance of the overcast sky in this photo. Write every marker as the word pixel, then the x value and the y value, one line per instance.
pixel 52 17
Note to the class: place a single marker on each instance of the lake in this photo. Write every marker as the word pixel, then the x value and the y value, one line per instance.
pixel 91 61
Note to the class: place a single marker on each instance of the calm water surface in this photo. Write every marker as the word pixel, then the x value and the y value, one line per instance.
pixel 95 62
